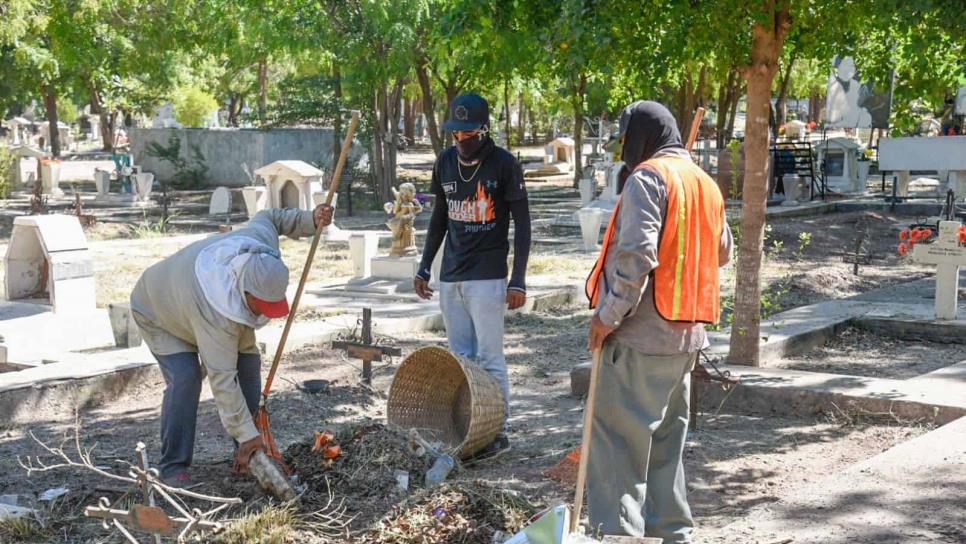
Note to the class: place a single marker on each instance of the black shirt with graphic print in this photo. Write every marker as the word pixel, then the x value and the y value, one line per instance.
pixel 473 209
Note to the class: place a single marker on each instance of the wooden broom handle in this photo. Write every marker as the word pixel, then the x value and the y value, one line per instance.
pixel 585 443
pixel 333 187
pixel 695 125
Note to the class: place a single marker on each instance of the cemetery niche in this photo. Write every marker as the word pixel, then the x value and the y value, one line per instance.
pixel 291 184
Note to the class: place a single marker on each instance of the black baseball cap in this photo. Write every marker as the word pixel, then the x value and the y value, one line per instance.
pixel 468 112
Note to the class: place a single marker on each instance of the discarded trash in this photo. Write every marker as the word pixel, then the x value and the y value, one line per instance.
pixel 440 469
pixel 270 477
pixel 549 527
pixel 12 500
pixel 52 494
pixel 402 480
pixel 326 444
pixel 440 512
pixel 12 511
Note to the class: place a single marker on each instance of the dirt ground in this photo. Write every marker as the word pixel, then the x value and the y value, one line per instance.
pixel 863 353
pixel 735 461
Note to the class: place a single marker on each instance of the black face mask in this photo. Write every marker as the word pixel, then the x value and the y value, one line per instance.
pixel 470 147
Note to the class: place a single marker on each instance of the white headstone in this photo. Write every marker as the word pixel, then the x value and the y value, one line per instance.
pixel 102 180
pixel 256 199
pixel 143 184
pixel 220 201
pixel 948 255
pixel 792 184
pixel 50 177
pixel 590 220
pixel 587 189
pixel 362 247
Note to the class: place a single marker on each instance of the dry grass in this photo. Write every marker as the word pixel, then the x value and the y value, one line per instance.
pixel 25 529
pixel 273 524
pixel 571 266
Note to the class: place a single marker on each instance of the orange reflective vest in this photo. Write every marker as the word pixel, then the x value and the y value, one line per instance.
pixel 686 278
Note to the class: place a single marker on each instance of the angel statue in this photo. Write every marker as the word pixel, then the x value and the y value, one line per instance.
pixel 404 211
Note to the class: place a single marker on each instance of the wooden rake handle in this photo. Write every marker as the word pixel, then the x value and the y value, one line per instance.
pixel 333 187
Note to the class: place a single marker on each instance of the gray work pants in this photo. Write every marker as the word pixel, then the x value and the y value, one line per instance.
pixel 635 478
pixel 179 409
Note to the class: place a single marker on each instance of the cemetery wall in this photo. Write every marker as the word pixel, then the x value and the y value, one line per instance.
pixel 225 150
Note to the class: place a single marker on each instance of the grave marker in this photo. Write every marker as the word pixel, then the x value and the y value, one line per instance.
pixel 948 255
pixel 220 201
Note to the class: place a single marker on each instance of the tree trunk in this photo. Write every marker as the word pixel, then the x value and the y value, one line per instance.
pixel 50 104
pixel 781 103
pixel 506 110
pixel 521 121
pixel 452 91
pixel 377 137
pixel 393 114
pixel 106 127
pixel 733 114
pixel 766 47
pixel 429 106
pixel 337 123
pixel 579 129
pixel 409 120
pixel 533 125
pixel 262 89
pixel 233 110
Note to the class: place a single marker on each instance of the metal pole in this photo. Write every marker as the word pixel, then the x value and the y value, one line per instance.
pixel 367 340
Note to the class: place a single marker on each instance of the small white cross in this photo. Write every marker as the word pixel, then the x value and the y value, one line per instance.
pixel 948 255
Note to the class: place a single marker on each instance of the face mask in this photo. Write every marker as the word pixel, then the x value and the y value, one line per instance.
pixel 469 147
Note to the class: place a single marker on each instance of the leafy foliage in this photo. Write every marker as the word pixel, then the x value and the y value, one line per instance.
pixel 192 106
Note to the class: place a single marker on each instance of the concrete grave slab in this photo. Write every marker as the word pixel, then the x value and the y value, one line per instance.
pixel 48 258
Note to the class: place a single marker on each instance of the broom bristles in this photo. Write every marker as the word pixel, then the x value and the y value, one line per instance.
pixel 264 425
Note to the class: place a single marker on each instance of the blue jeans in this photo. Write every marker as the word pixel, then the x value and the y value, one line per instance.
pixel 179 410
pixel 473 313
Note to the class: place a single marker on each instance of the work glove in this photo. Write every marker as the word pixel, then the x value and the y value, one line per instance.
pixel 244 453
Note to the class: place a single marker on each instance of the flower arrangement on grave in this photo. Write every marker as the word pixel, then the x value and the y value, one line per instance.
pixel 908 238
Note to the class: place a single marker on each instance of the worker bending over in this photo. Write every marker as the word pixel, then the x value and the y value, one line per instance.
pixel 198 310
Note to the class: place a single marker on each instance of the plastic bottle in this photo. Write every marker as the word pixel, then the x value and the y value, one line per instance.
pixel 440 469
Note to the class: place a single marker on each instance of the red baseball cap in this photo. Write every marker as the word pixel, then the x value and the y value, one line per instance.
pixel 278 308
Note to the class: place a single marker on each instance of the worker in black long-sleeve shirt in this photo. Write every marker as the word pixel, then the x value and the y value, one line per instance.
pixel 478 188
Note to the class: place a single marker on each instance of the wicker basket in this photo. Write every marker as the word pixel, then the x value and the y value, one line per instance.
pixel 447 399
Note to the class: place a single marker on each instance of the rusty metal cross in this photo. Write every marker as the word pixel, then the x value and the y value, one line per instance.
pixel 366 350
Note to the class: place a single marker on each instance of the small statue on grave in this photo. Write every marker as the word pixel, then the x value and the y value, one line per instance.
pixel 404 210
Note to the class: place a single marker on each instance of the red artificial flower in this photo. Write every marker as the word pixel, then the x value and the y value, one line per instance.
pixel 904 234
pixel 912 242
pixel 903 249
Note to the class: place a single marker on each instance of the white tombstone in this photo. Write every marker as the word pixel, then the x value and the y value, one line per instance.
pixel 841 163
pixel 220 201
pixel 793 189
pixel 588 187
pixel 948 255
pixel 609 194
pixel 50 177
pixel 945 153
pixel 795 130
pixel 143 185
pixel 590 221
pixel 363 247
pixel 256 199
pixel 290 184
pixel 561 151
pixel 102 180
pixel 48 258
pixel 22 152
